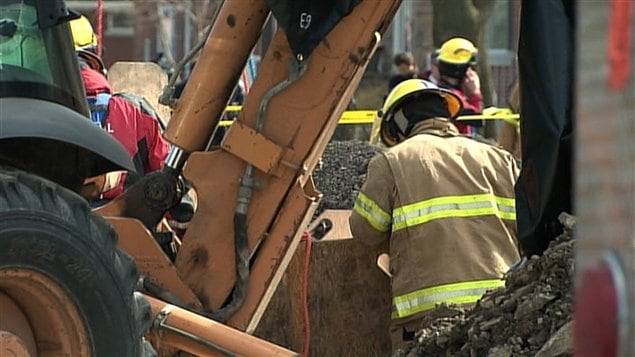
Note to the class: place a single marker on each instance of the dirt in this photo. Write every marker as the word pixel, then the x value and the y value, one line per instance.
pixel 530 316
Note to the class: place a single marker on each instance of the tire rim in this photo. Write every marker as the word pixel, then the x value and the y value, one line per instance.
pixel 27 296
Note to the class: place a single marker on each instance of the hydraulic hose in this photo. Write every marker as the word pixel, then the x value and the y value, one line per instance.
pixel 241 238
pixel 242 270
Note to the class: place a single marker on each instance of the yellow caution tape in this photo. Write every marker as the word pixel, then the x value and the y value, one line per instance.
pixel 369 116
pixel 493 113
pixel 358 117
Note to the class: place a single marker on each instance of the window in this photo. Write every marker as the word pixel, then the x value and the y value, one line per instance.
pixel 499 31
pixel 120 23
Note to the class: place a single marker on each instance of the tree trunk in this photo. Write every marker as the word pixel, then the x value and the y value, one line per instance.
pixel 467 18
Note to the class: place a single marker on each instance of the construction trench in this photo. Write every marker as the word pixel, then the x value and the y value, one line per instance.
pixel 348 297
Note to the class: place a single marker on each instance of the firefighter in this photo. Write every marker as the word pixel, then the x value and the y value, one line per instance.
pixel 456 60
pixel 443 202
pixel 137 131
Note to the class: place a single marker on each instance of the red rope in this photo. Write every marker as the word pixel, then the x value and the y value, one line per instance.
pixel 100 27
pixel 305 293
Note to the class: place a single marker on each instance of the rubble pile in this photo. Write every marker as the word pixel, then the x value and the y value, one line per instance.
pixel 530 316
pixel 342 173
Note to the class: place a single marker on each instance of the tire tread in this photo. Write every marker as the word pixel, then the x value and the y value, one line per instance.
pixel 22 191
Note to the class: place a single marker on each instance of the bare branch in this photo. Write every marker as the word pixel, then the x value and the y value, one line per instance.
pixel 163 33
pixel 485 9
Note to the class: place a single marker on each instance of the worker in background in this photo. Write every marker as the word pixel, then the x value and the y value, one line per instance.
pixel 432 74
pixel 406 69
pixel 457 59
pixel 138 132
pixel 442 201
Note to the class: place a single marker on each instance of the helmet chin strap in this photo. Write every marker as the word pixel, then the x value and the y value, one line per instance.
pixel 92 60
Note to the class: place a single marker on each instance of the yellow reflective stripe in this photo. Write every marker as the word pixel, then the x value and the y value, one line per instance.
pixel 376 217
pixel 428 298
pixel 453 206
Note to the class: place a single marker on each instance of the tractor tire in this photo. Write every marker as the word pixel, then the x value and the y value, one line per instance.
pixel 61 271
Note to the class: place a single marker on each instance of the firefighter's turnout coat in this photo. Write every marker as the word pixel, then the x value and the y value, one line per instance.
pixel 446 203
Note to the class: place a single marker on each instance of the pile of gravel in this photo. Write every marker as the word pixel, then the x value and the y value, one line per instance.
pixel 530 316
pixel 342 173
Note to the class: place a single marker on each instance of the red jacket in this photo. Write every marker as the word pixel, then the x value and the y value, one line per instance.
pixel 138 132
pixel 471 105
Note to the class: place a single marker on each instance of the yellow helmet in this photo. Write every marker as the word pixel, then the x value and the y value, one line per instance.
pixel 392 124
pixel 83 34
pixel 458 50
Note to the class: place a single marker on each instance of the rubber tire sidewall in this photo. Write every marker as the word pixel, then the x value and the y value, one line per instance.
pixel 84 261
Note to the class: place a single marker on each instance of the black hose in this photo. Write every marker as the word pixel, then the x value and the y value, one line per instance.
pixel 244 197
pixel 242 270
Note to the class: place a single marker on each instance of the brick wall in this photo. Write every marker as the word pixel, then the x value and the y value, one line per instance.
pixel 605 151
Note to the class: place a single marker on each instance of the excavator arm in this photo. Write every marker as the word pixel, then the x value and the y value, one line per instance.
pixel 261 178
pixel 255 194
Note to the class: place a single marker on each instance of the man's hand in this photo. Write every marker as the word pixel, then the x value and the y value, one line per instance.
pixel 471 83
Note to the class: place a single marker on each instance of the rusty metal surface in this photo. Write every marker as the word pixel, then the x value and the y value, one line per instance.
pixel 151 261
pixel 13 346
pixel 43 301
pixel 252 147
pixel 186 331
pixel 301 117
pixel 217 70
pixel 16 337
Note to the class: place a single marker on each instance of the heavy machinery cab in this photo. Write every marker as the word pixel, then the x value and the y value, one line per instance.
pixel 45 126
pixel 37 60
